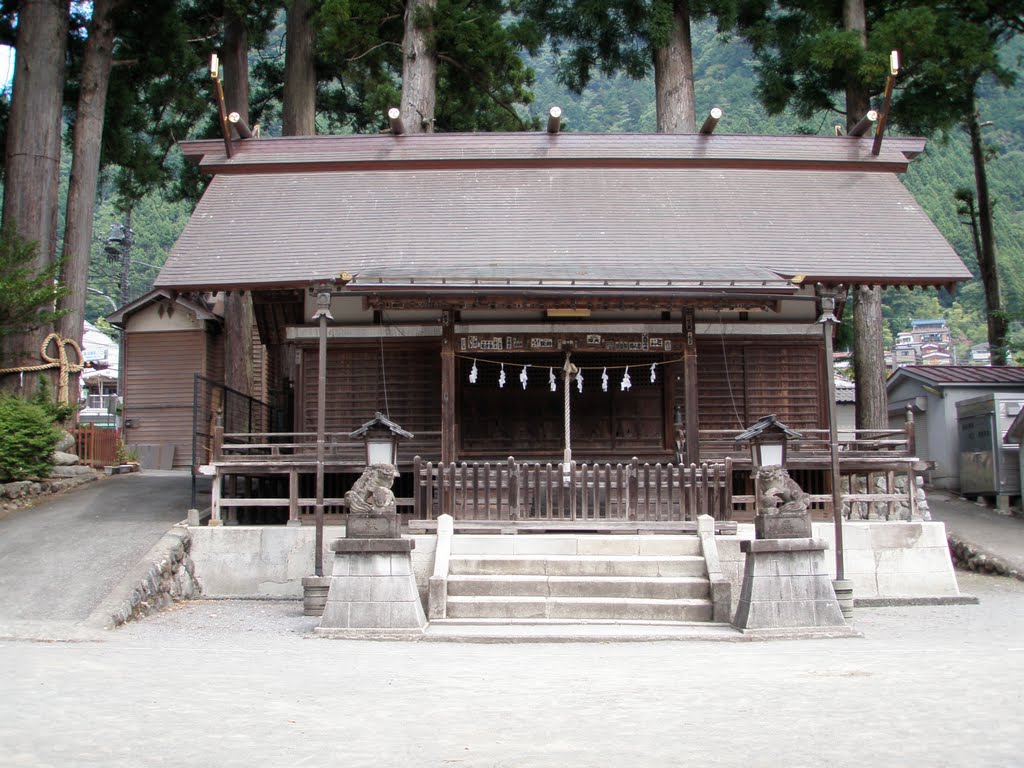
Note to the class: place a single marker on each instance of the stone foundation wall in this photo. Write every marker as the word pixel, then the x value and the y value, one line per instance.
pixel 166 575
pixel 886 560
pixel 270 561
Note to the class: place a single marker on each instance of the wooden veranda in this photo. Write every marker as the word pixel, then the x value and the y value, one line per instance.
pixel 878 470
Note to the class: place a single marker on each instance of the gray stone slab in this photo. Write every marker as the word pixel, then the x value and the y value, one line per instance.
pixel 782 545
pixel 336 614
pixel 373 589
pixel 401 565
pixel 373 526
pixel 368 616
pixel 407 614
pixel 371 545
pixel 369 565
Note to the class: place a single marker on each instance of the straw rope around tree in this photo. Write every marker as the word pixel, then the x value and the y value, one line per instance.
pixel 61 361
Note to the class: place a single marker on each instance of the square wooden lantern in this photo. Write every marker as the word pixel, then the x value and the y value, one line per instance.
pixel 768 438
pixel 380 436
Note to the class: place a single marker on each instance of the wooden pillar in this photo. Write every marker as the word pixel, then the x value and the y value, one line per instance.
pixel 447 387
pixel 691 402
pixel 215 499
pixel 293 497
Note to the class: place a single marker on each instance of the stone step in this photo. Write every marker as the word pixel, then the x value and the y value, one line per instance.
pixel 661 588
pixel 570 544
pixel 577 608
pixel 578 565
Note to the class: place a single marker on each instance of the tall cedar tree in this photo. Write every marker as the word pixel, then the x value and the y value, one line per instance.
pixel 815 57
pixel 950 51
pixel 32 162
pixel 87 133
pixel 481 82
pixel 632 37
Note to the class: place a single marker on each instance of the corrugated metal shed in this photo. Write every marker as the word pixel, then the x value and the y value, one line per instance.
pixel 627 213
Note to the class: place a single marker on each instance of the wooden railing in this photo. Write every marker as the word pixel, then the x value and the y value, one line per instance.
pixel 814 444
pixel 526 491
pixel 297 447
pixel 96 446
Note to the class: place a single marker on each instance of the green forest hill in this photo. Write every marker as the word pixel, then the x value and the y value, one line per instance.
pixel 724 78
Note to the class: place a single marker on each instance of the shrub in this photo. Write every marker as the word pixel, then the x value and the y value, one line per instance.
pixel 27 439
pixel 43 397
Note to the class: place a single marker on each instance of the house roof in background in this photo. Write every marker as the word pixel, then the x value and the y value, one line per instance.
pixel 960 375
pixel 198 306
pixel 613 212
pixel 846 391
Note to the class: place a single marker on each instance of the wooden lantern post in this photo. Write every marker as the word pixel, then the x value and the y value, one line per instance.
pixel 323 314
pixel 827 320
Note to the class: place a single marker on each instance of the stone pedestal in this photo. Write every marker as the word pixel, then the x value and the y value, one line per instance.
pixel 783 524
pixel 373 591
pixel 787 589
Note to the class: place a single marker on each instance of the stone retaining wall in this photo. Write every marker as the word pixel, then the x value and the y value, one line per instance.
pixel 971 557
pixel 163 577
pixel 24 493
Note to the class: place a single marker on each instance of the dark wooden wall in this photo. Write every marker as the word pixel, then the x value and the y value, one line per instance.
pixel 407 387
pixel 754 377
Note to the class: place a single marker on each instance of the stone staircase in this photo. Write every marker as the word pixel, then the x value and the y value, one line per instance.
pixel 576 578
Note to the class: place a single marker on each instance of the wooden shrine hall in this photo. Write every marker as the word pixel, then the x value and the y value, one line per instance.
pixel 609 310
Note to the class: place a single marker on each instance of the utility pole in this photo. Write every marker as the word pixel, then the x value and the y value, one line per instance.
pixel 119 249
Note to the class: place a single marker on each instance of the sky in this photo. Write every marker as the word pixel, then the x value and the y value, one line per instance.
pixel 6 67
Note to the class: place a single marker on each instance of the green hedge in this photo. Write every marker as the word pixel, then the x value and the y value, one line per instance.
pixel 28 438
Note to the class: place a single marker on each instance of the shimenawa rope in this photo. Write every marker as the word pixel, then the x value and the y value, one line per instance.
pixel 61 361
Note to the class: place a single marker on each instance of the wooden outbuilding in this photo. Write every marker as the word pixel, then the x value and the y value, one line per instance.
pixel 609 300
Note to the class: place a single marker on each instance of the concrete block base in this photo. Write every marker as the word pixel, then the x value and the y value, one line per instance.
pixel 786 587
pixel 373 591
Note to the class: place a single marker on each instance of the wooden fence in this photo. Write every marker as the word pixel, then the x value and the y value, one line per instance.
pixel 512 490
pixel 96 446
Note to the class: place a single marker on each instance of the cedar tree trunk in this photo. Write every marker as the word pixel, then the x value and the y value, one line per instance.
pixel 997 324
pixel 33 149
pixel 299 114
pixel 858 100
pixel 238 314
pixel 236 65
pixel 419 67
pixel 869 358
pixel 868 350
pixel 85 167
pixel 673 77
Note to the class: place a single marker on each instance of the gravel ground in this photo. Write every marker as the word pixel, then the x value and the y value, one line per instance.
pixel 237 683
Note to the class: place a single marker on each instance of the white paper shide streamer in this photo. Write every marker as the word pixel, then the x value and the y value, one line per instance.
pixel 627 383
pixel 523 377
pixel 501 377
